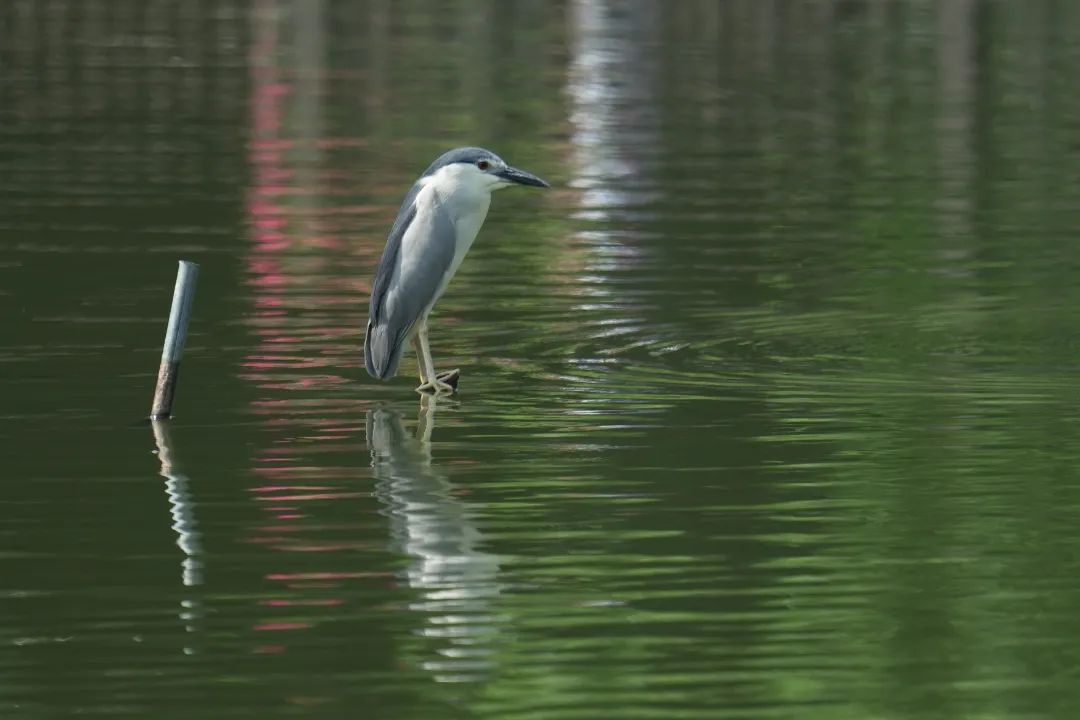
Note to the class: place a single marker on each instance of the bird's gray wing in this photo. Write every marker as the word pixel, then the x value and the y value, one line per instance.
pixel 389 259
pixel 400 296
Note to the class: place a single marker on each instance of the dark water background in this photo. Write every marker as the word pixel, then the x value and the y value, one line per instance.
pixel 768 409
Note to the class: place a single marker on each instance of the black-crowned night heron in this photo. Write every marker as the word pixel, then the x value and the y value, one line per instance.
pixel 435 227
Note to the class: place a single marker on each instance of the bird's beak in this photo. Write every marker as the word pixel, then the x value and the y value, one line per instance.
pixel 513 175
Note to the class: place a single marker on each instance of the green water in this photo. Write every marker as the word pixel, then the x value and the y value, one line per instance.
pixel 768 409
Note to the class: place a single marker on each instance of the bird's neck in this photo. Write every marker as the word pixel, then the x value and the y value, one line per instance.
pixel 461 198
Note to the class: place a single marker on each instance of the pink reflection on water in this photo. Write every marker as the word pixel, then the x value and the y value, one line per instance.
pixel 268 649
pixel 308 277
pixel 308 576
pixel 314 496
pixel 291 602
pixel 280 626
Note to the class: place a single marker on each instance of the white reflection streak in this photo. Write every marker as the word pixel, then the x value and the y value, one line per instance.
pixel 957 76
pixel 181 507
pixel 611 84
pixel 457 581
pixel 614 114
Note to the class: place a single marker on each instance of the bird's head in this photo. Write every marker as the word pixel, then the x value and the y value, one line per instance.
pixel 481 169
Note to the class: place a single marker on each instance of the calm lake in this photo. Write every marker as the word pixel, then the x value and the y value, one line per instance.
pixel 770 408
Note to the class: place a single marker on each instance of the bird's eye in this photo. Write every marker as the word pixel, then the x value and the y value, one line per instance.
pixel 483 164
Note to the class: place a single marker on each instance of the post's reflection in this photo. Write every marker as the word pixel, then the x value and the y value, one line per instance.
pixel 181 507
pixel 456 581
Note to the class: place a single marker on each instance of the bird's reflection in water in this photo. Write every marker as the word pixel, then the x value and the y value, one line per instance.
pixel 456 581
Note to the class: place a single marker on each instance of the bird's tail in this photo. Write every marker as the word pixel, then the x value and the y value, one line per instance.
pixel 382 351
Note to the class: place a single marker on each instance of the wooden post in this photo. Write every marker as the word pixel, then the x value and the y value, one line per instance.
pixel 175 336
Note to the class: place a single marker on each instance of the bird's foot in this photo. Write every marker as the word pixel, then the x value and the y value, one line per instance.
pixel 445 383
pixel 450 377
pixel 436 387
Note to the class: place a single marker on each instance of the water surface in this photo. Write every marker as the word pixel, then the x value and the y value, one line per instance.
pixel 768 408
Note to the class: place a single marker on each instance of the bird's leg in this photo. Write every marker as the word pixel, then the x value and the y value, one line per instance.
pixel 433 383
pixel 422 361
